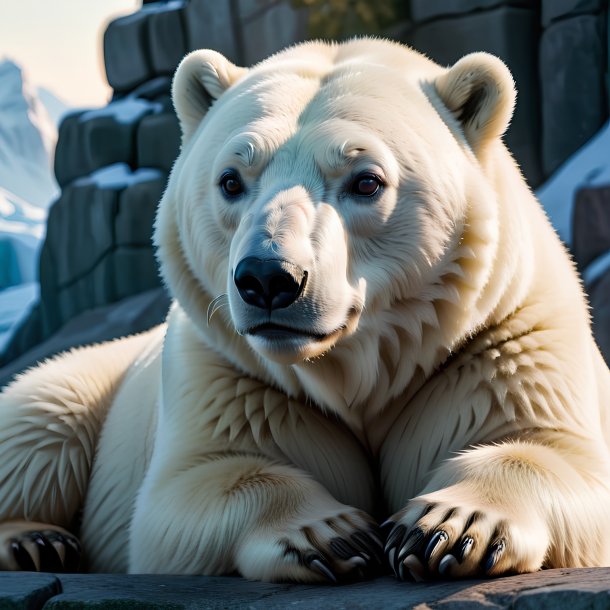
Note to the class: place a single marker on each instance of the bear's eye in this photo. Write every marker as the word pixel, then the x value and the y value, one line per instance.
pixel 366 185
pixel 231 184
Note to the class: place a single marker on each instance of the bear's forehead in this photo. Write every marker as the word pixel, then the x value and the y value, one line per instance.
pixel 361 78
pixel 351 89
pixel 276 105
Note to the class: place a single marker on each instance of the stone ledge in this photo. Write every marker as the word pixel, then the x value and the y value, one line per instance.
pixel 572 589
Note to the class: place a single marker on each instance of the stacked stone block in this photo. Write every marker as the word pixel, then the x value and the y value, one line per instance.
pixel 448 29
pixel 573 63
pixel 98 248
pixel 112 164
pixel 557 51
pixel 145 44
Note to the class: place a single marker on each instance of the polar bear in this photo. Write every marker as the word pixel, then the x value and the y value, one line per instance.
pixel 379 354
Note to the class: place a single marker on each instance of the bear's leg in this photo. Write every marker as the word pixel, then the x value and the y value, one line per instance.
pixel 50 418
pixel 242 512
pixel 508 508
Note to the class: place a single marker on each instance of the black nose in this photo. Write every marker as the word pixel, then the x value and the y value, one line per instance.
pixel 269 284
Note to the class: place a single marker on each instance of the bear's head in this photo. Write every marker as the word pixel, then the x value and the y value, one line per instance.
pixel 335 200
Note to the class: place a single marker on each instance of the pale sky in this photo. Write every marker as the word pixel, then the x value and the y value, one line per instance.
pixel 59 44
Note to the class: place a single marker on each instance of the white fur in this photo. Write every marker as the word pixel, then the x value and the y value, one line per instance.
pixel 457 375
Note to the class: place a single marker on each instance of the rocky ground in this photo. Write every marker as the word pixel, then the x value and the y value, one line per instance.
pixel 573 589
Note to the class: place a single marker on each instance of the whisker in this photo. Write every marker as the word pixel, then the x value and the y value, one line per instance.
pixel 216 304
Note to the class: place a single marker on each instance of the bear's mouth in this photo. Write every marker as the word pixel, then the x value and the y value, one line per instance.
pixel 276 332
pixel 288 344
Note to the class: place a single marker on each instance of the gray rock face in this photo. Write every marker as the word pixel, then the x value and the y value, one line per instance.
pixel 573 55
pixel 510 33
pixel 573 589
pixel 98 248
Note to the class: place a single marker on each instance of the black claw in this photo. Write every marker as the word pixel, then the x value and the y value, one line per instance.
pixel 385 528
pixel 438 538
pixel 72 550
pixel 50 561
pixel 495 552
pixel 392 561
pixel 464 549
pixel 342 549
pixel 75 544
pixel 317 563
pixel 402 571
pixel 411 543
pixel 368 543
pixel 23 558
pixel 396 535
pixel 72 557
pixel 375 535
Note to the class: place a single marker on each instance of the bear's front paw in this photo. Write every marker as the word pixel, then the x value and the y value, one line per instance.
pixel 430 539
pixel 35 547
pixel 341 547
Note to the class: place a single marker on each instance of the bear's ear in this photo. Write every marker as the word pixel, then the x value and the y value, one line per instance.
pixel 202 77
pixel 480 92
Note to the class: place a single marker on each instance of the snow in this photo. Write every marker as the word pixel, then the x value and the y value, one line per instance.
pixel 588 167
pixel 126 111
pixel 153 7
pixel 118 176
pixel 28 135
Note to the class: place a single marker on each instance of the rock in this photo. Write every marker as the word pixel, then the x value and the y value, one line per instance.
pixel 422 10
pixel 126 52
pixel 573 55
pixel 158 141
pixel 97 231
pixel 571 589
pixel 511 33
pixel 557 9
pixel 24 590
pixel 131 315
pixel 591 224
pixel 268 26
pixel 211 25
pixel 167 36
pixel 96 138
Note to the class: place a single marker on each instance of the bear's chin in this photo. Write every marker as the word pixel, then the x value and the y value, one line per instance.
pixel 289 348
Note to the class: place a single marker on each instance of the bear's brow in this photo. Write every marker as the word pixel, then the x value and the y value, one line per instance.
pixel 342 155
pixel 246 151
pixel 250 148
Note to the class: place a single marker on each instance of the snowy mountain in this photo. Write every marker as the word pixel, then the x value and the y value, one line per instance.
pixel 27 139
pixel 56 107
pixel 28 133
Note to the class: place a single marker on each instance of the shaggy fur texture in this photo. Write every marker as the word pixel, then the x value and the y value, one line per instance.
pixel 436 370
